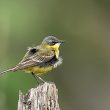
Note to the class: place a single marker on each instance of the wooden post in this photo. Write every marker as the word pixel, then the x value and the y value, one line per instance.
pixel 43 97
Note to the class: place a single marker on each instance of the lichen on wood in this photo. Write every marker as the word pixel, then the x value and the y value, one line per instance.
pixel 43 97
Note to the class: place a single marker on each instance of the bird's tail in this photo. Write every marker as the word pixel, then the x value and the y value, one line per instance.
pixel 9 70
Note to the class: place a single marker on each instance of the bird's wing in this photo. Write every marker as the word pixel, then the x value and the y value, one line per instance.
pixel 41 56
pixel 30 52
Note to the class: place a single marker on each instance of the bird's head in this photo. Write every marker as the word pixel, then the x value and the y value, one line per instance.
pixel 52 42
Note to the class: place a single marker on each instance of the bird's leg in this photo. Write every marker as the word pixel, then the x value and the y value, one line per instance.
pixel 35 77
pixel 38 77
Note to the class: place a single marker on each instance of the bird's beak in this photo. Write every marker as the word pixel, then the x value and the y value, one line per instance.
pixel 61 41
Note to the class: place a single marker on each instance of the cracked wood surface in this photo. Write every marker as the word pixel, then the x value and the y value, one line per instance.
pixel 43 97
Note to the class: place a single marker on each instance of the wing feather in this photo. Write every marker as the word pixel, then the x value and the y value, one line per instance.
pixel 41 56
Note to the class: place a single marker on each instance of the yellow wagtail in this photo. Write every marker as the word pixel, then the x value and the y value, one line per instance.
pixel 40 59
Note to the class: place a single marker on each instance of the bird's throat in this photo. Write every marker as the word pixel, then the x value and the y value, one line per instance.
pixel 55 48
pixel 57 53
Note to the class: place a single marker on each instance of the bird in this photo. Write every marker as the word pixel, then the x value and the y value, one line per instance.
pixel 40 59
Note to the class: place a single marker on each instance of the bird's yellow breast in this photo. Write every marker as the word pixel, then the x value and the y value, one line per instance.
pixel 56 48
pixel 38 70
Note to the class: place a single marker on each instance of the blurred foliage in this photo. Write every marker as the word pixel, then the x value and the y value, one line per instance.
pixel 84 78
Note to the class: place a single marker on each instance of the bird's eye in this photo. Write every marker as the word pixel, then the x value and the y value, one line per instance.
pixel 52 43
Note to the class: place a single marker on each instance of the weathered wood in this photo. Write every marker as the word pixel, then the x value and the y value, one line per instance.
pixel 43 97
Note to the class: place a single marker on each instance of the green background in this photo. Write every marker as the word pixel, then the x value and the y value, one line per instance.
pixel 83 80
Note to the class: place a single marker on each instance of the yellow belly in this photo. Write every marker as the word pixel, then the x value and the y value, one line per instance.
pixel 38 70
